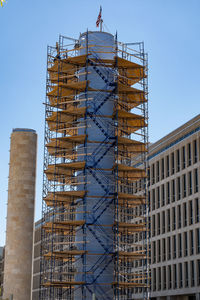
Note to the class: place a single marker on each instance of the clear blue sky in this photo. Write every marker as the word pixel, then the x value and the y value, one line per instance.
pixel 169 28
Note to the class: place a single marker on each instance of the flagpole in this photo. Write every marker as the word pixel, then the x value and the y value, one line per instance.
pixel 101 21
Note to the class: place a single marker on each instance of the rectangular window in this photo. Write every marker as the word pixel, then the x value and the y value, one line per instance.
pixel 186 244
pixel 184 215
pixel 158 251
pixel 169 277
pixel 179 245
pixel 154 253
pixel 158 224
pixel 174 246
pixel 153 226
pixel 194 151
pixel 183 157
pixel 168 220
pixel 177 160
pixel 178 188
pixel 169 247
pixel 190 183
pixel 167 166
pixel 175 276
pixel 159 277
pixel 154 279
pixel 180 276
pixel 189 156
pixel 190 208
pixel 191 242
pixel 198 240
pixel 179 215
pixel 196 210
pixel 184 185
pixel 163 194
pixel 196 187
pixel 172 163
pixel 163 222
pixel 168 193
pixel 164 278
pixel 192 272
pixel 163 250
pixel 162 169
pixel 173 190
pixel 152 174
pixel 198 272
pixel 158 197
pixel 153 200
pixel 186 274
pixel 173 218
pixel 157 171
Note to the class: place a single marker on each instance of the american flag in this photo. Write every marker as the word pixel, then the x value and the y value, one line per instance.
pixel 99 18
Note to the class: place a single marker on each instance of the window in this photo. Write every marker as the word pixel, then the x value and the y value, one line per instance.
pixel 186 274
pixel 157 171
pixel 159 277
pixel 153 199
pixel 168 220
pixel 180 275
pixel 178 188
pixel 164 278
pixel 196 180
pixel 173 190
pixel 158 197
pixel 152 174
pixel 194 151
pixel 198 240
pixel 184 185
pixel 169 277
pixel 153 226
pixel 190 183
pixel 179 216
pixel 175 276
pixel 162 168
pixel 190 212
pixel 174 246
pixel 179 245
pixel 191 242
pixel 189 157
pixel 154 279
pixel 192 272
pixel 173 218
pixel 158 224
pixel 163 250
pixel 196 210
pixel 169 247
pixel 154 253
pixel 186 244
pixel 172 163
pixel 168 193
pixel 163 222
pixel 183 157
pixel 167 166
pixel 163 194
pixel 184 215
pixel 177 160
pixel 158 251
pixel 198 272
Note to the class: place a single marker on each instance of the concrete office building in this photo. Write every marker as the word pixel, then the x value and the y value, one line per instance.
pixel 175 213
pixel 20 215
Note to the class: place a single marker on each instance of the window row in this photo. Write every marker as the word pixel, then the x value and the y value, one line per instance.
pixel 174 190
pixel 175 162
pixel 175 217
pixel 181 245
pixel 181 275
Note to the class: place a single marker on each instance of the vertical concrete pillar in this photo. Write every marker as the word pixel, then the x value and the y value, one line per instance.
pixel 20 215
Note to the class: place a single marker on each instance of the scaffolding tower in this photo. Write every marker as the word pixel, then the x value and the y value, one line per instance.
pixel 95 237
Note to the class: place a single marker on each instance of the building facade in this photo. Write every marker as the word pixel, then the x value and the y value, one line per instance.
pixel 174 195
